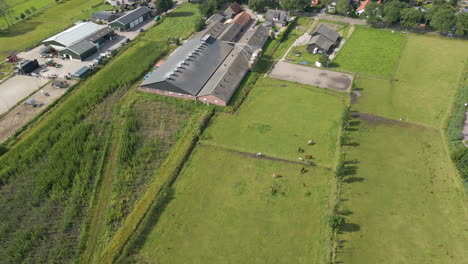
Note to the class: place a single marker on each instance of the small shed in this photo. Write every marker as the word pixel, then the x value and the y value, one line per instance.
pixel 81 72
pixel 131 19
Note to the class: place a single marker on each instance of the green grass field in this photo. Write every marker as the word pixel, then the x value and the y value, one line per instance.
pixel 370 51
pixel 19 6
pixel 278 118
pixel 222 211
pixel 423 86
pixel 402 198
pixel 33 30
pixel 182 24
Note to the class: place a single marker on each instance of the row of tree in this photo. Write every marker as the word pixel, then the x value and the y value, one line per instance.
pixel 6 13
pixel 442 16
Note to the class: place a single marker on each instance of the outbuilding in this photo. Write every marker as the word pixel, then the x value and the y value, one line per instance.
pixel 80 73
pixel 80 41
pixel 131 19
pixel 104 16
pixel 323 38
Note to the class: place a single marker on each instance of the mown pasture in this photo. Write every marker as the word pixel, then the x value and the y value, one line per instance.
pixel 222 210
pixel 278 118
pixel 401 196
pixel 20 6
pixel 44 24
pixel 423 86
pixel 370 51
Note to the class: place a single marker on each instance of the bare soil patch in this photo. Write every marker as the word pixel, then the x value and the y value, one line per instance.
pixel 22 113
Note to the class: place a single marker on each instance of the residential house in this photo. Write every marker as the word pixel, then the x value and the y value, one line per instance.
pixel 322 39
pixel 275 17
pixel 232 10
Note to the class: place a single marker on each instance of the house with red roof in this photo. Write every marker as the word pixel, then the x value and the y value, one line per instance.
pixel 362 7
pixel 242 19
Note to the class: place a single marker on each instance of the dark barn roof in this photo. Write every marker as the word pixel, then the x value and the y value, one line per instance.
pixel 81 47
pixel 256 37
pixel 231 32
pixel 321 42
pixel 126 19
pixel 216 17
pixel 105 15
pixel 227 77
pixel 190 66
pixel 215 29
pixel 326 32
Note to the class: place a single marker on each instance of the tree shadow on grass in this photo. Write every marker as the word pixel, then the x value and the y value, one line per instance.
pixel 350 227
pixel 20 28
pixel 180 14
pixel 353 179
pixel 350 170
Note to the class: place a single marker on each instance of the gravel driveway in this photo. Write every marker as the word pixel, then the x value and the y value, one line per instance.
pixel 312 76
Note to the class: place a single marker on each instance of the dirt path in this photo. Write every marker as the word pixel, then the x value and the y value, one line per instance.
pixel 354 21
pixel 312 76
pixel 254 156
pixel 373 119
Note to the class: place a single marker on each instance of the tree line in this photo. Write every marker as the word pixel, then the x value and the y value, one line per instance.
pixel 442 16
pixel 6 13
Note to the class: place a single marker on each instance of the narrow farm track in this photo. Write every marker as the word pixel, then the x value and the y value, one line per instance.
pixel 263 156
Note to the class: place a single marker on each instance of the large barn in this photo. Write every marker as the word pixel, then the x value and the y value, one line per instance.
pixel 131 19
pixel 207 69
pixel 80 41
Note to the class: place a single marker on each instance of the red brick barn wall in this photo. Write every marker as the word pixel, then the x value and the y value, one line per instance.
pixel 167 93
pixel 212 100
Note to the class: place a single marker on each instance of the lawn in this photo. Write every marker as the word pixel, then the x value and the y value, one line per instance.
pixel 222 211
pixel 401 198
pixel 278 118
pixel 423 86
pixel 33 30
pixel 302 24
pixel 371 51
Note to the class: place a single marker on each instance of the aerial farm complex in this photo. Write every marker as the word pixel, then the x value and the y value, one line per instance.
pixel 213 131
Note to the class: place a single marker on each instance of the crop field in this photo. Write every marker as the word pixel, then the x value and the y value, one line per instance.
pixel 30 32
pixel 423 86
pixel 222 211
pixel 370 51
pixel 32 171
pixel 20 6
pixel 401 197
pixel 278 118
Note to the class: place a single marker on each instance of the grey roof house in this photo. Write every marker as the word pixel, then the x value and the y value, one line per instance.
pixel 80 41
pixel 131 19
pixel 323 38
pixel 207 69
pixel 275 18
pixel 104 16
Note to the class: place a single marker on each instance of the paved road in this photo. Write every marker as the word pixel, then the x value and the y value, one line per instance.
pixel 312 76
